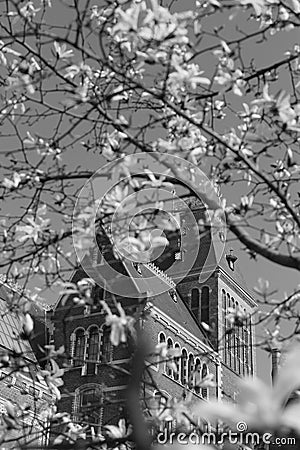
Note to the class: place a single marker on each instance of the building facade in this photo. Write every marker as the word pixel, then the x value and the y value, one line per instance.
pixel 20 384
pixel 190 314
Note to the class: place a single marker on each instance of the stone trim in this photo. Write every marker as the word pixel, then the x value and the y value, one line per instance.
pixel 235 286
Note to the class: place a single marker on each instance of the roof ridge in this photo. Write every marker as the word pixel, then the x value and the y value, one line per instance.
pixel 161 274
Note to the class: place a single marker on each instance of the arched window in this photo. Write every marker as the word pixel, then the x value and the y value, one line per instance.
pixel 224 300
pixel 190 369
pixel 205 305
pixel 79 348
pixel 197 375
pixel 237 340
pixel 232 338
pixel 203 375
pixel 160 401
pixel 169 370
pixel 243 344
pixel 161 338
pixel 250 347
pixel 88 409
pixel 177 363
pixel 195 302
pixel 106 345
pixel 93 350
pixel 183 371
pixel 247 342
pixel 224 336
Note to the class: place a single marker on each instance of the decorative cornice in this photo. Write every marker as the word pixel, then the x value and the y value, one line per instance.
pixel 161 274
pixel 234 285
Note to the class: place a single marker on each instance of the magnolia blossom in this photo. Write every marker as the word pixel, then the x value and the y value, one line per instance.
pixel 157 182
pixel 237 316
pixel 75 431
pixel 188 75
pixel 13 417
pixel 196 380
pixel 235 78
pixel 281 102
pixel 120 324
pixel 261 407
pixel 127 20
pixel 34 230
pixel 169 409
pixel 115 198
pixel 53 378
pixel 161 25
pixel 14 183
pixel 119 431
pixel 28 325
pixel 140 248
pixel 258 5
pixel 165 354
pixel 62 51
pixel 29 11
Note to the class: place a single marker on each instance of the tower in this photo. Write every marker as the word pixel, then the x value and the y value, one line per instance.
pixel 214 291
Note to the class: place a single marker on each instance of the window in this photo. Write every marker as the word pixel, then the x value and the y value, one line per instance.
pixel 246 357
pixel 205 305
pixel 161 399
pixel 190 369
pixel 99 294
pixel 224 336
pixel 178 256
pixel 236 339
pixel 250 348
pixel 203 375
pixel 183 371
pixel 230 334
pixel 177 363
pixel 239 350
pixel 169 370
pixel 88 407
pixel 197 376
pixel 79 348
pixel 195 302
pixel 243 332
pixel 93 350
pixel 161 340
pixel 106 345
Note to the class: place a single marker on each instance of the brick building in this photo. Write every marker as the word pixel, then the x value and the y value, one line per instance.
pixel 20 383
pixel 94 383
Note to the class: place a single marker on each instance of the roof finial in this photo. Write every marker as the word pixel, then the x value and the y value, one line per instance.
pixel 231 259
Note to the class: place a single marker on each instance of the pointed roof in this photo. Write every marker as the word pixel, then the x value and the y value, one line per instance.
pixel 172 305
